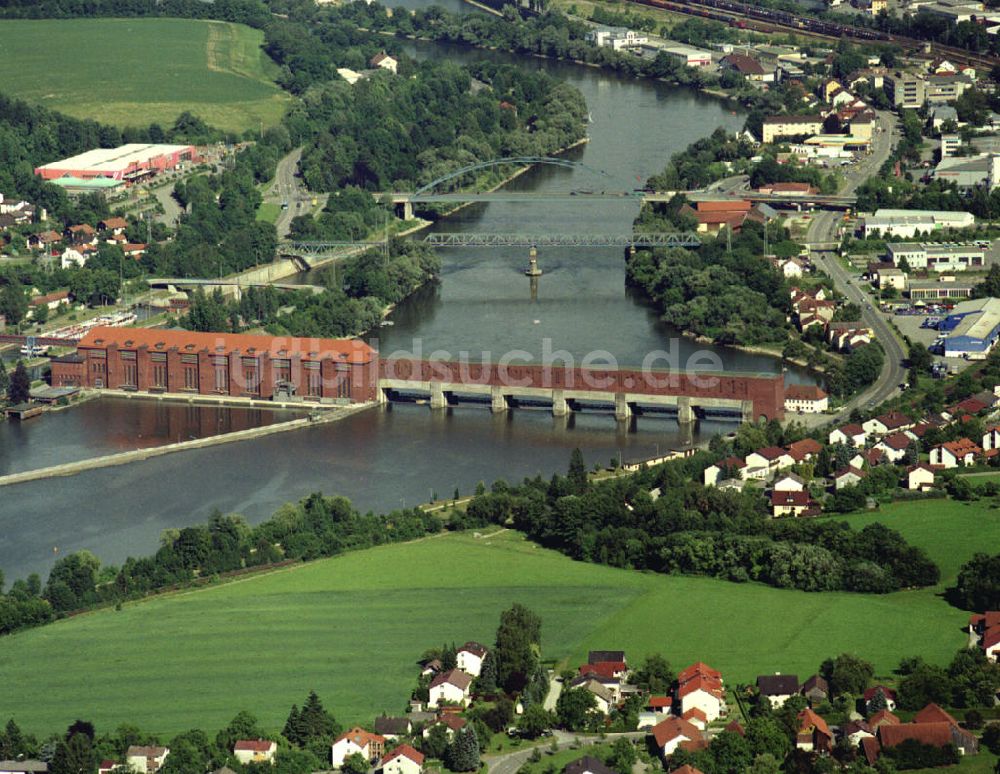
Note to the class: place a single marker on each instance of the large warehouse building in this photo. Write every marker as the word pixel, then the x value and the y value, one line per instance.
pixel 127 163
pixel 241 365
pixel 972 328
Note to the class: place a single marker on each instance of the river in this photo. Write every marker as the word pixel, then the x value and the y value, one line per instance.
pixel 403 454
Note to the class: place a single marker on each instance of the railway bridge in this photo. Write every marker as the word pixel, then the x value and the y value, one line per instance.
pixel 565 389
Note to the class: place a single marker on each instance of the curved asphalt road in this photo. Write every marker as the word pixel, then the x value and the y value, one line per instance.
pixel 823 228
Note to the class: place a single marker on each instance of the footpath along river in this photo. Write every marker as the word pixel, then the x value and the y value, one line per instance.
pixel 400 455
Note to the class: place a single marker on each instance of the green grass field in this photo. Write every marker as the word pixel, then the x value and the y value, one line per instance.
pixel 352 628
pixel 133 72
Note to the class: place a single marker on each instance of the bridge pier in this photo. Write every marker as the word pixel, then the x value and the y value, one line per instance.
pixel 623 409
pixel 560 407
pixel 685 412
pixel 438 399
pixel 533 270
pixel 498 401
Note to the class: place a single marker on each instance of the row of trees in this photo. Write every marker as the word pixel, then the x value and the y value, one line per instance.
pixel 698 530
pixel 316 526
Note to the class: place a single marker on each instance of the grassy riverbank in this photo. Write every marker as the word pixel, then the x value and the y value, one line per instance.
pixel 261 643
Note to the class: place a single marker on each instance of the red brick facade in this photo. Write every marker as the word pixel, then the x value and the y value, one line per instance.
pixel 159 361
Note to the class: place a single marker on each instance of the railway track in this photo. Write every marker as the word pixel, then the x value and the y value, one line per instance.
pixel 743 15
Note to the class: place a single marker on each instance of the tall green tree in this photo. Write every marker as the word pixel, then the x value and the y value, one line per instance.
pixel 75 756
pixel 518 647
pixel 19 390
pixel 463 752
pixel 577 472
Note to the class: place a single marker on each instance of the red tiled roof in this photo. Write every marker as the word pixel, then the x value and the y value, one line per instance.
pixel 802 449
pixel 804 392
pixel 936 734
pixel 712 685
pixel 345 350
pixel 744 64
pixel 735 727
pixel 871 749
pixel 696 712
pixel 406 751
pixel 851 430
pixel 771 453
pixel 897 441
pixel 882 717
pixel 932 713
pixel 869 693
pixel 474 648
pixel 961 447
pixel 734 205
pixel 991 637
pixel 698 668
pixel 606 669
pixel 360 737
pixel 659 702
pixel 454 722
pixel 894 419
pixel 672 728
pixel 253 745
pixel 789 498
pixel 455 677
pixel 809 720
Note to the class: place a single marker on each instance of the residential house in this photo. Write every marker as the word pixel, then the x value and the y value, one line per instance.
pixel 393 728
pixel 588 764
pixel 402 760
pixel 674 733
pixel 50 301
pixel 255 751
pixel 790 268
pixel 849 435
pixel 596 656
pixel 356 741
pixel 748 67
pixel 816 690
pixel 789 482
pixel 106 766
pixel 920 477
pixel 777 688
pixel 730 467
pixel 931 726
pixel 849 476
pixel 806 399
pixel 954 454
pixel 696 717
pixel 887 423
pixel 44 239
pixel 776 127
pixel 813 734
pixel 451 723
pixel 469 658
pixel 451 687
pixel 384 62
pixel 805 450
pixel 856 730
pixel 82 234
pixel 882 718
pixel 431 667
pixel 603 696
pixel 605 670
pixel 991 438
pixel 701 686
pixel 894 446
pixel 661 705
pixel 887 693
pixel 714 216
pixel 146 759
pixel 791 504
pixel 115 225
pixel 773 458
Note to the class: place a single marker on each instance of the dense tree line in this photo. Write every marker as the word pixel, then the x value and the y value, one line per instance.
pixel 314 527
pixel 391 133
pixel 357 293
pixel 733 296
pixel 249 12
pixel 697 530
pixel 978 585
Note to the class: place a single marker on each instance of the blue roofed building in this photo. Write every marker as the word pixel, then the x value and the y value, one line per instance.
pixel 971 329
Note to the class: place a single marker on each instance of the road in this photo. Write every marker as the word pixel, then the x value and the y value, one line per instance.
pixel 823 228
pixel 287 188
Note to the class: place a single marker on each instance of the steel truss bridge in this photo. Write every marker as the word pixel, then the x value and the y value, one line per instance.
pixel 563 240
pixel 673 239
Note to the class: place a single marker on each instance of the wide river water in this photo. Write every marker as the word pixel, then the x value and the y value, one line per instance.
pixel 402 454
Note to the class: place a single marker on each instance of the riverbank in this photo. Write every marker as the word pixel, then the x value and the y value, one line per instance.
pixel 328 414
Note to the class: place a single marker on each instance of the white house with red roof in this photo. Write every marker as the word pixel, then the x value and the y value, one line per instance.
pixel 700 686
pixel 402 760
pixel 661 705
pixel 451 723
pixel 383 61
pixel 920 477
pixel 894 446
pixel 804 450
pixel 991 644
pixel 146 759
pixel 789 482
pixel 255 751
pixel 451 687
pixel 784 503
pixel 674 733
pixel 806 399
pixel 732 467
pixel 849 435
pixel 356 741
pixel 887 423
pixel 955 454
pixel 772 458
pixel 469 658
pixel 849 476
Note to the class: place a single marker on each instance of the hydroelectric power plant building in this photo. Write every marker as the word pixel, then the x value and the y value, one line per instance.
pixel 221 364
